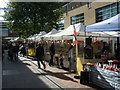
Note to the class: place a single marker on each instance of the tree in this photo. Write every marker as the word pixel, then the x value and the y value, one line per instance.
pixel 33 17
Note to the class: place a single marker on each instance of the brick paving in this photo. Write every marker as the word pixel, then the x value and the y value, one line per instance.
pixel 61 77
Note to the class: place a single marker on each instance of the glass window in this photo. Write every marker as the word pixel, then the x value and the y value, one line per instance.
pixel 77 19
pixel 61 24
pixel 106 12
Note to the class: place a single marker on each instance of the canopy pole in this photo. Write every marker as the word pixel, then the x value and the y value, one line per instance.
pixel 113 47
pixel 118 47
pixel 76 49
pixel 79 66
pixel 78 60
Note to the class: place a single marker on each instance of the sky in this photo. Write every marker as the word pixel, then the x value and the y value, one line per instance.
pixel 2 5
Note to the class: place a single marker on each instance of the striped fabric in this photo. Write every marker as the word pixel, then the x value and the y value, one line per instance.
pixel 74 38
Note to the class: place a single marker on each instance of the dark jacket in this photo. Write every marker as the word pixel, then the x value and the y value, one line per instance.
pixel 39 51
pixel 52 49
pixel 15 49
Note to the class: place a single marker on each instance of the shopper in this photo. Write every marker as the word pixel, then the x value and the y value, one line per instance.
pixel 23 50
pixel 52 52
pixel 15 51
pixel 40 55
pixel 10 51
pixel 61 61
pixel 57 60
pixel 70 58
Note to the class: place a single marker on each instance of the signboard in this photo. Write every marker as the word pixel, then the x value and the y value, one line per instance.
pixel 88 52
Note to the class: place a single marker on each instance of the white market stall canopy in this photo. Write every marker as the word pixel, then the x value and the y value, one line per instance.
pixel 16 39
pixel 33 37
pixel 112 24
pixel 53 31
pixel 40 34
pixel 109 33
pixel 68 32
pixel 36 36
pixel 29 37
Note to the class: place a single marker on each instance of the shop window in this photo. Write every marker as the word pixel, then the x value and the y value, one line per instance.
pixel 61 24
pixel 106 12
pixel 77 19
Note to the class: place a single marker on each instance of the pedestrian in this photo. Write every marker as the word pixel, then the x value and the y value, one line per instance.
pixel 57 60
pixel 70 58
pixel 61 61
pixel 26 49
pixel 15 51
pixel 52 52
pixel 40 55
pixel 23 50
pixel 10 52
pixel 20 49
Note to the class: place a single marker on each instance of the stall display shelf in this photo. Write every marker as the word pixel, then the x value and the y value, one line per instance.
pixel 105 78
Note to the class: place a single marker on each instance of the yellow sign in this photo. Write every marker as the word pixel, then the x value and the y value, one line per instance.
pixel 79 66
pixel 31 52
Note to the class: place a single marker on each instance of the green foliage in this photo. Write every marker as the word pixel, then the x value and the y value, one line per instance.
pixel 33 17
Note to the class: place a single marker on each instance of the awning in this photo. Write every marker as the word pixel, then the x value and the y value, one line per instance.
pixel 68 32
pixel 112 24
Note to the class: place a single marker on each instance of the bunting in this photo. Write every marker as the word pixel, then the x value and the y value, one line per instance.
pixel 74 38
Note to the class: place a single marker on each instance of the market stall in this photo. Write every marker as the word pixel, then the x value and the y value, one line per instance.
pixel 63 40
pixel 106 72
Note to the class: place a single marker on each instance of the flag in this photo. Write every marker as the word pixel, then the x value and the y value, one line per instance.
pixel 75 33
pixel 74 41
pixel 74 38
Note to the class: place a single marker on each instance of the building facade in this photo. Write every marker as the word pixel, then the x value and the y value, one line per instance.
pixel 89 13
pixel 3 29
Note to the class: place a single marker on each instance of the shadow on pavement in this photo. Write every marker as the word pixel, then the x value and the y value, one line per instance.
pixel 16 75
pixel 59 75
pixel 26 64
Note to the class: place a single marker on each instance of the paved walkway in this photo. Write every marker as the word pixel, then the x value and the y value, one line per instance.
pixel 25 74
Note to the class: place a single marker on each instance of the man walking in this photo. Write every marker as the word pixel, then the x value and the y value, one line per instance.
pixel 15 51
pixel 52 52
pixel 39 55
